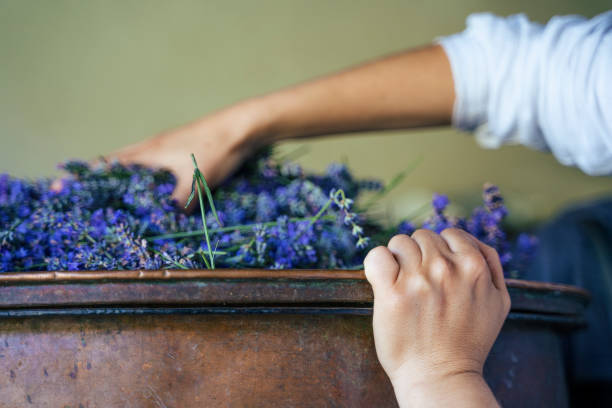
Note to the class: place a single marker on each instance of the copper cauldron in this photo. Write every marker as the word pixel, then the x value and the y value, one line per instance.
pixel 240 338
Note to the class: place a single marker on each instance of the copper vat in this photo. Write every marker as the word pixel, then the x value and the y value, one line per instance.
pixel 240 338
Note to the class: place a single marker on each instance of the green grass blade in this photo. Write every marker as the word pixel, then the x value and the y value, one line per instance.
pixel 242 227
pixel 204 226
pixel 203 255
pixel 168 259
pixel 198 174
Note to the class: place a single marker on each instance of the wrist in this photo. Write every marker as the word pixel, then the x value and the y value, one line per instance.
pixel 414 371
pixel 442 386
pixel 286 114
pixel 459 390
pixel 252 122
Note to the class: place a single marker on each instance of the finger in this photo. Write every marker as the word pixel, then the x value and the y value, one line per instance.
pixel 57 185
pixel 475 256
pixel 381 268
pixel 125 153
pixel 460 242
pixel 492 258
pixel 431 244
pixel 406 251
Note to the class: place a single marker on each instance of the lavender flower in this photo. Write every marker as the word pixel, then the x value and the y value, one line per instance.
pixel 271 215
pixel 439 202
pixel 438 222
pixel 406 227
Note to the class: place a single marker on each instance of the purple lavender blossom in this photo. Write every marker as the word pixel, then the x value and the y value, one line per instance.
pixel 438 222
pixel 439 202
pixel 118 217
pixel 406 227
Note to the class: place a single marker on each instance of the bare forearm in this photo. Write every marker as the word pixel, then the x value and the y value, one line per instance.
pixel 411 89
pixel 414 88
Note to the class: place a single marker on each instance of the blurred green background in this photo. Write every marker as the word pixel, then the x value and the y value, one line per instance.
pixel 82 78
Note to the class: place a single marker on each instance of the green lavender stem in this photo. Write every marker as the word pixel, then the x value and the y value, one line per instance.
pixel 168 259
pixel 242 227
pixel 198 174
pixel 204 227
pixel 320 213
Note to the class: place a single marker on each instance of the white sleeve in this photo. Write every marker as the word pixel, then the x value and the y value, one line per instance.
pixel 545 86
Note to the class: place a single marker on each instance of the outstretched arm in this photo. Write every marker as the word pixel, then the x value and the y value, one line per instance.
pixel 413 88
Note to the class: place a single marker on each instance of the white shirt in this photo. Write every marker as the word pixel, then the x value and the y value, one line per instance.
pixel 544 86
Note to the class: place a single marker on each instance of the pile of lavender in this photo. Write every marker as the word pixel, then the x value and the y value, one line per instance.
pixel 271 214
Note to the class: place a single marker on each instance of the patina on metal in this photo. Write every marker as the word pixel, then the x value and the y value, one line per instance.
pixel 240 338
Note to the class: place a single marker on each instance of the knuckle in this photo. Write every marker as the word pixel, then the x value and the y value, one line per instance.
pixel 493 255
pixel 451 231
pixel 459 234
pixel 473 264
pixel 397 240
pixel 439 267
pixel 373 254
pixel 489 251
pixel 487 247
pixel 422 233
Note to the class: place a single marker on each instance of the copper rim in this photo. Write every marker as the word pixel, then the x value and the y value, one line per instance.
pixel 301 274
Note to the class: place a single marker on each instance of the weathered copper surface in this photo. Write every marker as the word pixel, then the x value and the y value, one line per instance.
pixel 243 287
pixel 247 338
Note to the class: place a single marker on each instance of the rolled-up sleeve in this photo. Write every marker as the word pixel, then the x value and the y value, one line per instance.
pixel 548 86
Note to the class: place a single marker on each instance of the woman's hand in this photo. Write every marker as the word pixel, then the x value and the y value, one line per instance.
pixel 439 304
pixel 220 142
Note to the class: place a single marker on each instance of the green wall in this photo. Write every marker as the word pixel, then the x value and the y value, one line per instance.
pixel 81 78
